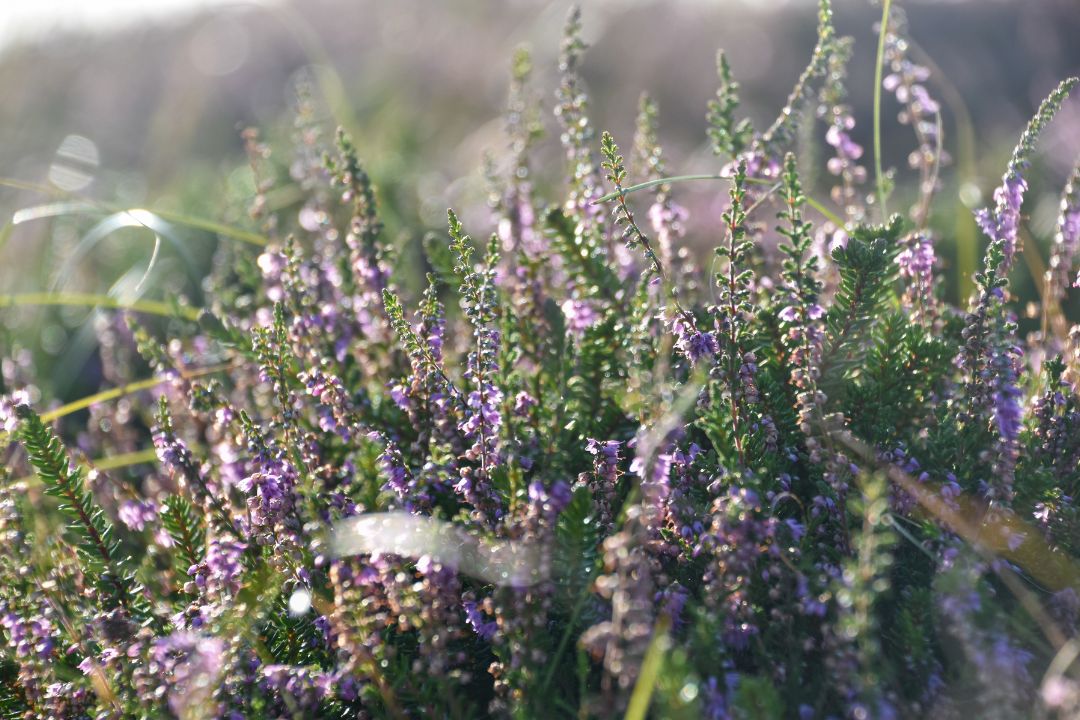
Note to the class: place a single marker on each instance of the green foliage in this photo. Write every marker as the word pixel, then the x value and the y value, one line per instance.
pixel 94 535
pixel 728 136
pixel 756 698
pixel 13 705
pixel 867 268
pixel 591 376
pixel 184 526
pixel 578 539
pixel 587 264
pixel 900 374
pixel 800 265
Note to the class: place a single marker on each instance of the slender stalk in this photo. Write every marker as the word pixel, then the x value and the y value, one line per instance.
pixel 119 392
pixel 149 307
pixel 879 176
pixel 651 667
pixel 109 462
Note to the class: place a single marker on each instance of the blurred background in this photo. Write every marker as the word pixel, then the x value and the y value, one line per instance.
pixel 141 105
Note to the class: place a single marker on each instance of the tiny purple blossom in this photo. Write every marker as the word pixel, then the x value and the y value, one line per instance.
pixel 9 419
pixel 137 514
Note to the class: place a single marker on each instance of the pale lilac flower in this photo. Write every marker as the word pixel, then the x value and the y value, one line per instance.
pixel 580 315
pixel 9 418
pixel 137 514
pixel 191 664
pixel 1067 239
pixel 916 262
pixel 694 344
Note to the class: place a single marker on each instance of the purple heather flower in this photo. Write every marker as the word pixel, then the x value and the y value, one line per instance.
pixel 172 452
pixel 668 221
pixel 400 395
pixel 222 569
pixel 1002 222
pixel 580 315
pixel 304 687
pixel 482 422
pixel 916 263
pixel 789 314
pixel 191 665
pixel 672 601
pixel 846 148
pixel 523 401
pixel 691 342
pixel 474 616
pixel 399 479
pixel 137 514
pixel 9 420
pixel 550 501
pixel 1067 238
pixel 604 477
pixel 606 451
pixel 31 637
pixel 335 407
pixel 716 695
pixel 270 488
pixel 1007 411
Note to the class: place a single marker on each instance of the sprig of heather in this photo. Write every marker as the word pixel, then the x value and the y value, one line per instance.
pixel 906 81
pixel 1001 223
pixel 767 148
pixel 276 363
pixel 516 214
pixel 693 343
pixel 632 235
pixel 802 316
pixel 865 581
pixel 1066 241
pixel 180 519
pixel 175 456
pixel 482 419
pixel 571 110
pixel 32 632
pixel 270 486
pixel 258 153
pixel 369 271
pixel 916 262
pixel 425 354
pixel 604 478
pixel 335 410
pixel 728 136
pixel 1056 416
pixel 620 643
pixel 736 361
pixel 97 545
pixel 990 357
pixel 837 115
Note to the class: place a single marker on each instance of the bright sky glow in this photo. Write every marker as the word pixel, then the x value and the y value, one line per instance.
pixel 27 20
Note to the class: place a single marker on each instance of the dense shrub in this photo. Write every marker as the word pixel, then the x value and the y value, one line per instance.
pixel 581 475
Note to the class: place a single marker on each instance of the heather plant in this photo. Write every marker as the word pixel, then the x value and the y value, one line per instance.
pixel 581 472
